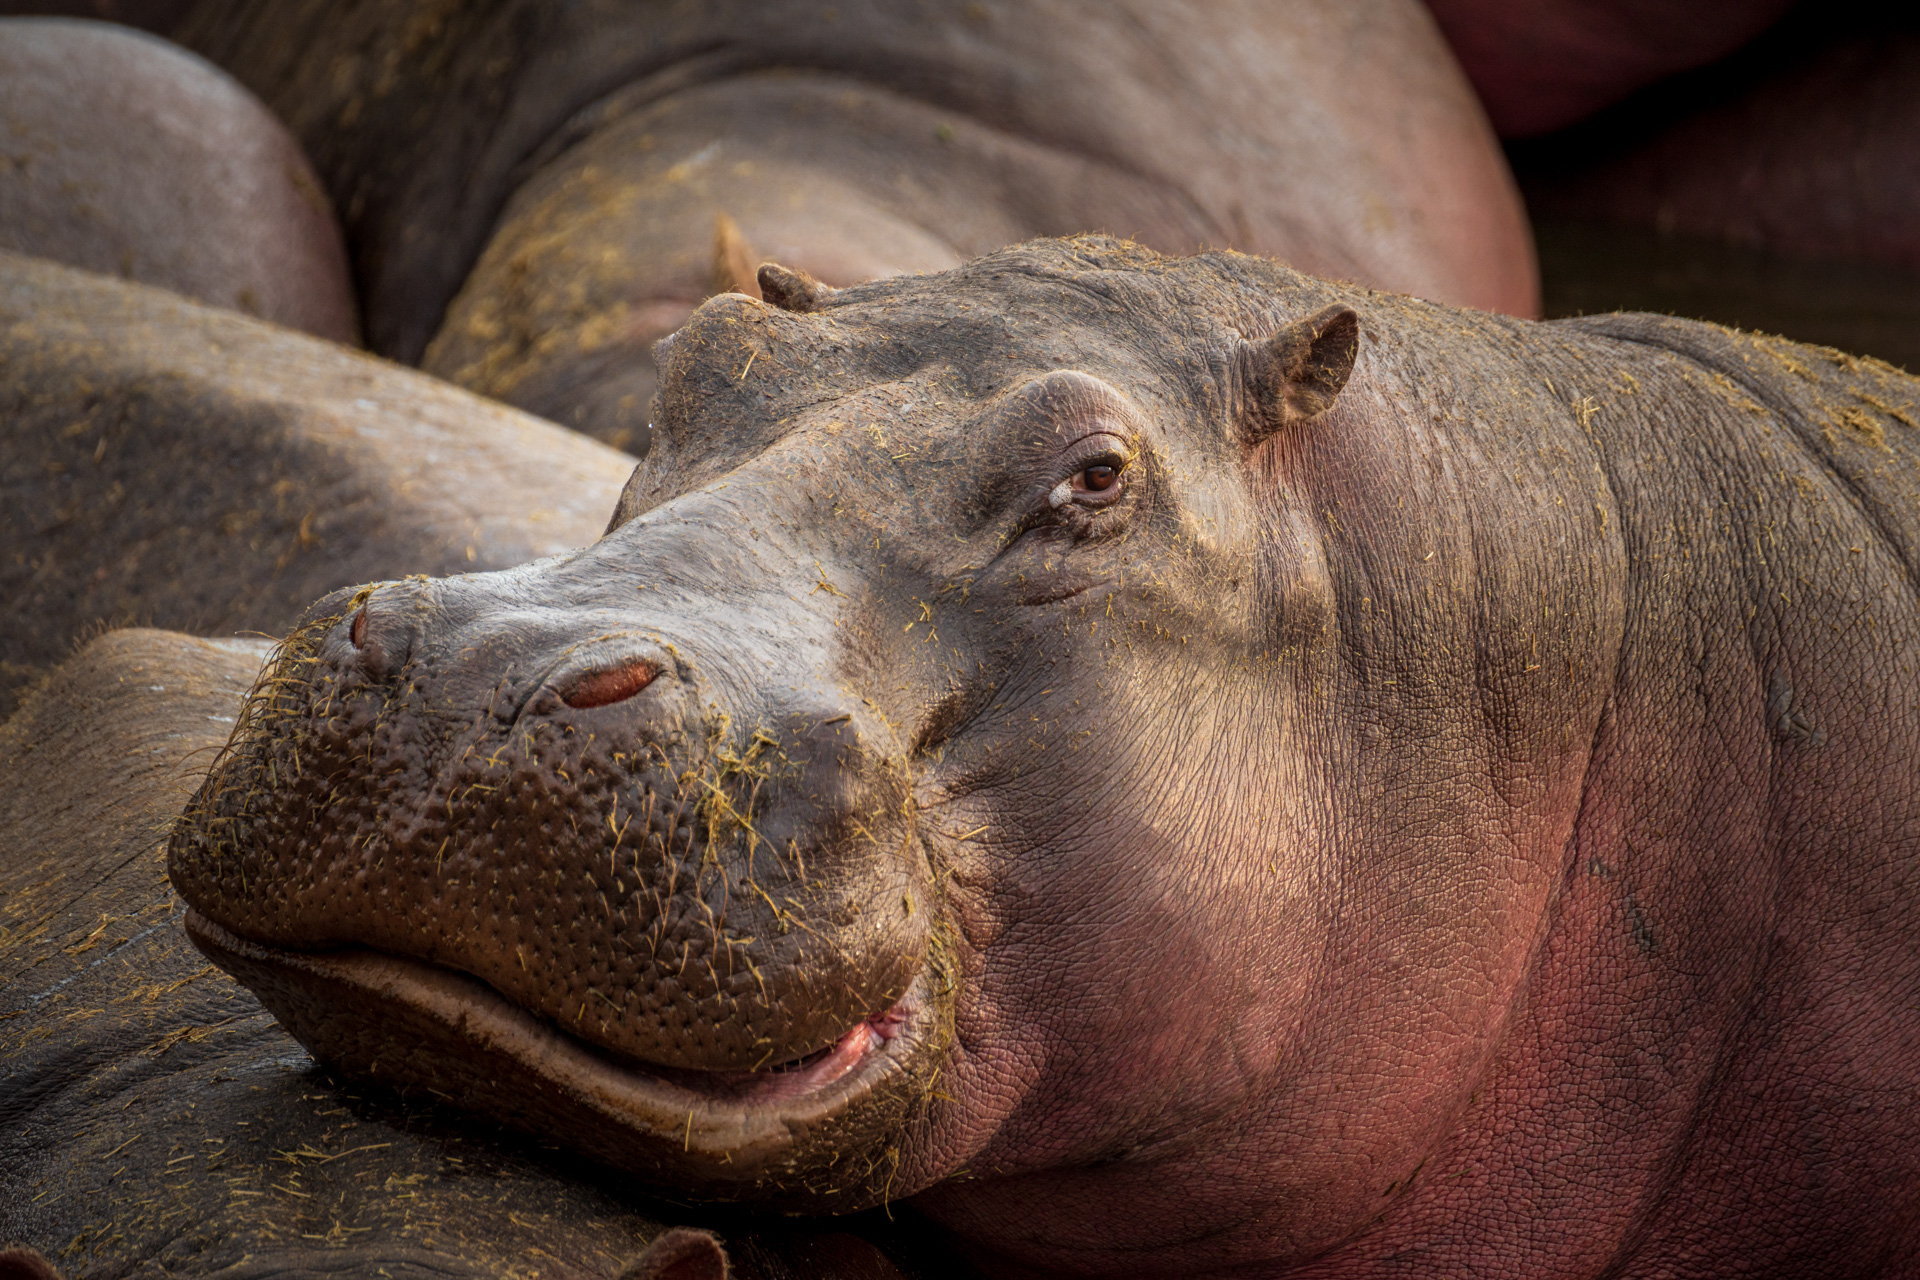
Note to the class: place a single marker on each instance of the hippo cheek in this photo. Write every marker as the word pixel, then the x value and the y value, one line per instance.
pixel 588 906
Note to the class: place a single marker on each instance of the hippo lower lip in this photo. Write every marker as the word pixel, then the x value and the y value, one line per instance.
pixel 413 1023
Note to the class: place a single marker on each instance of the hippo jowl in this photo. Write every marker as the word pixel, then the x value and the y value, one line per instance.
pixel 1174 764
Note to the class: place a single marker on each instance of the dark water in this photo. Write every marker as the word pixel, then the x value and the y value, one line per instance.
pixel 1865 308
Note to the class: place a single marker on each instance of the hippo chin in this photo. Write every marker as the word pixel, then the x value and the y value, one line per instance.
pixel 1173 763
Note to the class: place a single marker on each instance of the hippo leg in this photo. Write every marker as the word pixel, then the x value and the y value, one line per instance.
pixel 129 156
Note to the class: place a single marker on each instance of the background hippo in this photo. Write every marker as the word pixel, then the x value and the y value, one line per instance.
pixel 1174 765
pixel 1540 65
pixel 165 462
pixel 129 156
pixel 535 193
pixel 1773 191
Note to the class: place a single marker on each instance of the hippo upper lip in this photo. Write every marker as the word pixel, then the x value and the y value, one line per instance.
pixel 414 1023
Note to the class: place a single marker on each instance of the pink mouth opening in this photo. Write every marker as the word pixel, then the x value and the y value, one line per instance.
pixel 802 1075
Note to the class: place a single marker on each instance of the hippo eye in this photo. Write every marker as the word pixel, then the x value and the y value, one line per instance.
pixel 1098 478
pixel 1095 484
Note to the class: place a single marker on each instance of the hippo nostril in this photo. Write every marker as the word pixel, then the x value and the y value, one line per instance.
pixel 614 684
pixel 359 632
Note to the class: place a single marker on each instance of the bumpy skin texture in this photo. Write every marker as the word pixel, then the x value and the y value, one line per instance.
pixel 130 156
pixel 1817 160
pixel 1540 65
pixel 1467 827
pixel 156 1121
pixel 533 190
pixel 173 464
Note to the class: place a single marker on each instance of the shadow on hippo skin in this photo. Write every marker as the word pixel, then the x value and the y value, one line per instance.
pixel 692 1253
pixel 157 16
pixel 1770 191
pixel 132 157
pixel 1541 65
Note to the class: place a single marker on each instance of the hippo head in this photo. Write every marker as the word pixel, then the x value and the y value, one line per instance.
pixel 963 761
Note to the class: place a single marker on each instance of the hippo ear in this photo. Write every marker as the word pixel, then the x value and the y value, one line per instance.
pixel 681 1253
pixel 792 290
pixel 732 259
pixel 1297 374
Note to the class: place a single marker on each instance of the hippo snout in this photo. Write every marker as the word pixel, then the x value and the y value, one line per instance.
pixel 596 819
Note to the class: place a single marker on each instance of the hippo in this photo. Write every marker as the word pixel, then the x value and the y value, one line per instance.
pixel 129 156
pixel 1167 766
pixel 180 465
pixel 154 1119
pixel 1832 117
pixel 535 193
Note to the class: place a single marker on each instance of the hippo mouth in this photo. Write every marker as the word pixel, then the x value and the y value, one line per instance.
pixel 772 1132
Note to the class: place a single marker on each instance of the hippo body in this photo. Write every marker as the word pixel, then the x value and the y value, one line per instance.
pixel 536 193
pixel 167 463
pixel 1176 766
pixel 1813 153
pixel 129 156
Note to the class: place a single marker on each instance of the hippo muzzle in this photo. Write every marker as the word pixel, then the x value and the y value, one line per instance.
pixel 640 877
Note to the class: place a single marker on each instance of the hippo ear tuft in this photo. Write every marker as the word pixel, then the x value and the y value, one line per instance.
pixel 1298 373
pixel 792 290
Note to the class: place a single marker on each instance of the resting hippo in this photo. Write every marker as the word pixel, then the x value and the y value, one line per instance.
pixel 535 192
pixel 155 1120
pixel 127 155
pixel 175 464
pixel 1173 765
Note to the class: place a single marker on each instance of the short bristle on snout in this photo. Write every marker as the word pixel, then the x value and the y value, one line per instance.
pixel 606 687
